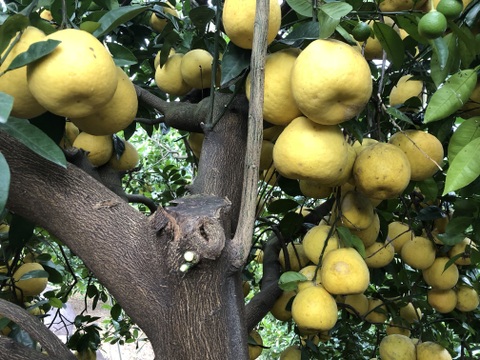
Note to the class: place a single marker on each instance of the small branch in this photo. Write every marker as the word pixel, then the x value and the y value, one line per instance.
pixel 137 198
pixel 242 240
pixel 146 121
pixel 37 330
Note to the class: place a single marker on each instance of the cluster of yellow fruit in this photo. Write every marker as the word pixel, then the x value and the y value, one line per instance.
pixel 79 81
pixel 183 72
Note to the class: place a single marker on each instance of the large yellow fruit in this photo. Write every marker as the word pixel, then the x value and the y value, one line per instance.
pixel 156 61
pixel 296 256
pixel 358 302
pixel 291 353
pixel 279 106
pixel 127 161
pixel 410 314
pixel 347 174
pixel 331 82
pixel 77 78
pixel 14 82
pixel 381 171
pixel 344 272
pixel 281 309
pixel 370 234
pixel 313 189
pixel 419 253
pixel 379 254
pixel 169 77
pixel 443 301
pixel 99 148
pixel 196 69
pixel 467 298
pixel 312 273
pixel 423 150
pixel 314 309
pixel 266 155
pixel 157 23
pixel 440 278
pixel 238 18
pixel 377 311
pixel 397 347
pixel 399 5
pixel 69 136
pixel 465 248
pixel 309 151
pixel 392 328
pixel 195 141
pixel 360 146
pixel 32 286
pixel 255 349
pixel 116 114
pixel 405 89
pixel 357 210
pixel 429 350
pixel 315 243
pixel 399 233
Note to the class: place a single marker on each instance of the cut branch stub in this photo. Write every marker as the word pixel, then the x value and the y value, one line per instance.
pixel 196 224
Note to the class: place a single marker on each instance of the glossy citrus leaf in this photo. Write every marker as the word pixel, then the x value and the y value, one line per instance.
pixel 302 7
pixel 4 182
pixel 443 56
pixel 35 51
pixel 329 16
pixel 121 55
pixel 10 27
pixel 465 168
pixel 234 62
pixel 289 280
pixel 6 104
pixel 451 96
pixel 117 17
pixel 391 42
pixel 464 134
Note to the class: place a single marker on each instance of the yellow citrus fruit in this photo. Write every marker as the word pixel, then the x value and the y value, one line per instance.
pixel 465 247
pixel 127 161
pixel 315 243
pixel 440 278
pixel 156 61
pixel 423 150
pixel 266 155
pixel 313 189
pixel 314 309
pixel 394 329
pixel 372 49
pixel 279 309
pixel 238 19
pixel 77 93
pixel 291 353
pixel 255 349
pixel 99 148
pixel 360 146
pixel 397 347
pixel 359 303
pixel 32 286
pixel 347 174
pixel 399 5
pixel 410 314
pixel 312 273
pixel 87 354
pixel 377 311
pixel 443 301
pixel 14 82
pixel 405 89
pixel 46 15
pixel 419 253
pixel 169 77
pixel 157 23
pixel 344 272
pixel 429 350
pixel 356 210
pixel 296 255
pixel 69 136
pixel 116 114
pixel 370 234
pixel 399 233
pixel 467 298
pixel 381 171
pixel 309 151
pixel 379 254
pixel 472 107
pixel 196 69
pixel 195 141
pixel 279 106
pixel 331 82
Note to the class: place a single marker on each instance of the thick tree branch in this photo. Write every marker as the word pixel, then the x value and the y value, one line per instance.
pixel 36 329
pixel 242 240
pixel 12 350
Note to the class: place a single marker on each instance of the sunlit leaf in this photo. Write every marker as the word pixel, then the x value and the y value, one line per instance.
pixel 4 182
pixel 464 134
pixel 35 51
pixel 6 105
pixel 451 96
pixel 329 16
pixel 289 280
pixel 465 168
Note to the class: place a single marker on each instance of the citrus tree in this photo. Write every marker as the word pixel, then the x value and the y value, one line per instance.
pixel 310 174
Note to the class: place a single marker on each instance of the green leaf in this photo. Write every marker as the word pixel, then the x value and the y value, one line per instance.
pixel 58 7
pixel 121 55
pixel 444 58
pixel 201 16
pixel 467 131
pixel 34 274
pixel 289 280
pixel 4 182
pixel 409 23
pixel 329 16
pixel 451 96
pixel 235 61
pixel 282 206
pixel 6 105
pixel 10 27
pixel 35 51
pixel 289 186
pixel 116 311
pixel 465 168
pixel 458 225
pixel 90 26
pixel 35 139
pixel 391 42
pixel 430 213
pixel 55 302
pixel 290 224
pixel 397 114
pixel 351 240
pixel 305 31
pixel 428 188
pixel 117 17
pixel 302 7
